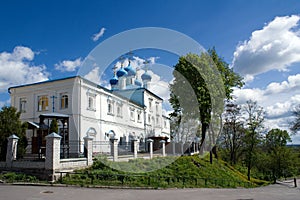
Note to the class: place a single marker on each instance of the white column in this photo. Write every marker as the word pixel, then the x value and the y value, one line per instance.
pixel 182 150
pixel 163 142
pixel 114 148
pixel 150 147
pixel 135 142
pixel 11 153
pixel 174 148
pixel 88 149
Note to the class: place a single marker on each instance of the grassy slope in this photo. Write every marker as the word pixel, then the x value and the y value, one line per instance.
pixel 186 171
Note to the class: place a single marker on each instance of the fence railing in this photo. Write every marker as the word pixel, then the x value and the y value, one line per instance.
pixel 152 181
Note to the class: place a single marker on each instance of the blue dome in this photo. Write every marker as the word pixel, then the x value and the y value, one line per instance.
pixel 121 72
pixel 129 69
pixel 137 82
pixel 114 80
pixel 146 76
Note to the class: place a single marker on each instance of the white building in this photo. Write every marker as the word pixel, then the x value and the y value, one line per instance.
pixel 127 110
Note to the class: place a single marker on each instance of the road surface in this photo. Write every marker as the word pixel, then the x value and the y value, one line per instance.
pixel 272 192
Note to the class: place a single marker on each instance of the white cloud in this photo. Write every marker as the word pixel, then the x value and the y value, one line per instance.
pixel 17 68
pixel 99 34
pixel 278 99
pixel 68 65
pixel 243 95
pixel 292 83
pixel 273 93
pixel 275 47
pixel 93 75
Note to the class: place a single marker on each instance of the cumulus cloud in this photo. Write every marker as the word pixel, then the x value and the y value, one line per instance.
pixel 93 75
pixel 68 65
pixel 17 68
pixel 99 34
pixel 275 47
pixel 292 83
pixel 278 98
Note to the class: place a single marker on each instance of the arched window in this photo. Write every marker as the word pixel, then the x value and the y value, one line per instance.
pixel 110 107
pixel 43 103
pixel 91 103
pixel 64 101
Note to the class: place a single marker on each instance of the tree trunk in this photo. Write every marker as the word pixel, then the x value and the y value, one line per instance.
pixel 248 172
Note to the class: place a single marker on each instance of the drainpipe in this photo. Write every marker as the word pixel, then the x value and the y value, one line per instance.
pixel 79 115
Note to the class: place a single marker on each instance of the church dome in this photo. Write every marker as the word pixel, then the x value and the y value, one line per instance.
pixel 130 70
pixel 146 76
pixel 121 72
pixel 138 82
pixel 114 80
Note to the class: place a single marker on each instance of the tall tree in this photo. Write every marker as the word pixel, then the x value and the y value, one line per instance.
pixel 254 125
pixel 233 131
pixel 201 83
pixel 10 123
pixel 280 161
pixel 295 125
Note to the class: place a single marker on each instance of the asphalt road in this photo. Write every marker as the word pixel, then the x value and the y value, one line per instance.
pixel 272 192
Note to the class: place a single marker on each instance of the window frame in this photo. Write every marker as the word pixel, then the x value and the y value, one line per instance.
pixel 22 104
pixel 43 103
pixel 64 99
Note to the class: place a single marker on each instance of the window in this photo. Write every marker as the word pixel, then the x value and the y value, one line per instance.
pixel 91 100
pixel 43 103
pixel 157 121
pixel 23 102
pixel 132 114
pixel 156 108
pixel 165 124
pixel 91 103
pixel 150 105
pixel 110 107
pixel 64 101
pixel 149 119
pixel 139 116
pixel 119 111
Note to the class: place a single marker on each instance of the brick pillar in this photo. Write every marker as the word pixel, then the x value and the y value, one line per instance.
pixel 114 148
pixel 163 142
pixel 135 147
pixel 11 152
pixel 150 147
pixel 88 149
pixel 52 161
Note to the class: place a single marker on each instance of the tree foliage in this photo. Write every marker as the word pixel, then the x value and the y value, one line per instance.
pixel 10 123
pixel 54 126
pixel 295 125
pixel 198 89
pixel 254 124
pixel 280 156
pixel 233 131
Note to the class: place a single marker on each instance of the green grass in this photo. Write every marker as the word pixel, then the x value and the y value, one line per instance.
pixel 11 177
pixel 185 171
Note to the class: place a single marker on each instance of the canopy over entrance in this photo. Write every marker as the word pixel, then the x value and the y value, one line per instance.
pixel 43 129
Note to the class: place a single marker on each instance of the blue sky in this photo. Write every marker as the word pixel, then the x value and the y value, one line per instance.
pixel 42 40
